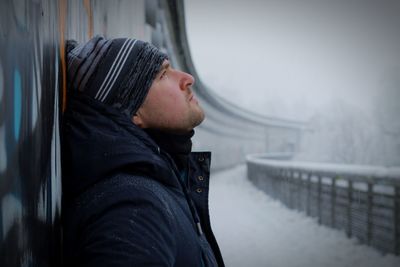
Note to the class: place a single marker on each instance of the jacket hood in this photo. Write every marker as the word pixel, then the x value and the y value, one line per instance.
pixel 99 141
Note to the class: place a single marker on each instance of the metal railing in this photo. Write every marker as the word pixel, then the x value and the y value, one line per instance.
pixel 363 201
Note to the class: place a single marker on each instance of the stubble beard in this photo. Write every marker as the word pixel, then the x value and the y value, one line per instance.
pixel 198 116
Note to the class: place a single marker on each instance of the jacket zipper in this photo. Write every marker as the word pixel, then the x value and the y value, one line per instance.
pixel 185 191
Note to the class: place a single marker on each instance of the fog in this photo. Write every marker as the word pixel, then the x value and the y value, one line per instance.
pixel 332 64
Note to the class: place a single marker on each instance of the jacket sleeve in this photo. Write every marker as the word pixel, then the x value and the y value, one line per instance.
pixel 134 227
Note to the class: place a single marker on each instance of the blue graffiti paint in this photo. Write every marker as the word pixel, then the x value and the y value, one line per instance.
pixel 3 151
pixel 17 103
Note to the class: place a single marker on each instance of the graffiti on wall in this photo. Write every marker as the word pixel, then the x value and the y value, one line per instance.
pixel 32 64
pixel 29 165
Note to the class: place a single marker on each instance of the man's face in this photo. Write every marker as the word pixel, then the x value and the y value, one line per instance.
pixel 170 104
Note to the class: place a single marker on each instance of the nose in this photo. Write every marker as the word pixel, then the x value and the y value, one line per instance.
pixel 186 81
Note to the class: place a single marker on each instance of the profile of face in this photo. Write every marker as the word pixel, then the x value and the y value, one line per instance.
pixel 170 104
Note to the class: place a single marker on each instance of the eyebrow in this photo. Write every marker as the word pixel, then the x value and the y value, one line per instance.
pixel 165 66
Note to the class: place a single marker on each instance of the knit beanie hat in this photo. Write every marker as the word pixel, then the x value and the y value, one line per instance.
pixel 117 72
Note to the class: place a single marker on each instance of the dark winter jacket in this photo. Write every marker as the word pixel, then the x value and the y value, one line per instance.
pixel 124 203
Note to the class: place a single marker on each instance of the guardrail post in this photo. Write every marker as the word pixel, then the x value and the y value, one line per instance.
pixel 282 195
pixel 349 204
pixel 397 220
pixel 297 188
pixel 283 187
pixel 333 202
pixel 287 189
pixel 267 178
pixel 273 178
pixel 279 185
pixel 300 192
pixel 370 203
pixel 290 187
pixel 319 199
pixel 308 208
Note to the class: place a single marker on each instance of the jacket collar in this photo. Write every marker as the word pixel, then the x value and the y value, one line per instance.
pixel 99 141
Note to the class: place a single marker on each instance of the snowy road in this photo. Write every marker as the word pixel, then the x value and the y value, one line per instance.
pixel 255 231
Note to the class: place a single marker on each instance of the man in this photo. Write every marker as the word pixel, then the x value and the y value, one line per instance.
pixel 133 193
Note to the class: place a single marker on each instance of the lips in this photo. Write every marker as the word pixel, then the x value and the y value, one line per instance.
pixel 192 98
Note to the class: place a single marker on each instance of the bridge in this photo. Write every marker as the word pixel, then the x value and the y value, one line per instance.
pixel 33 97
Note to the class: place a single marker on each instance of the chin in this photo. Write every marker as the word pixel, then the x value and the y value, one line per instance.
pixel 199 119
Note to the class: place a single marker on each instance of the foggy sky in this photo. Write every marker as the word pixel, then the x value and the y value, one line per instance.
pixel 292 58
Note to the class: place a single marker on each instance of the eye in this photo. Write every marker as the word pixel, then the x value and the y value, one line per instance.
pixel 163 74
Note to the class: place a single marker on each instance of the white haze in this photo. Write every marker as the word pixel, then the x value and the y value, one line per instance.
pixel 329 63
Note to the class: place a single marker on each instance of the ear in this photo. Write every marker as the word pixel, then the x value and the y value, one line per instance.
pixel 137 120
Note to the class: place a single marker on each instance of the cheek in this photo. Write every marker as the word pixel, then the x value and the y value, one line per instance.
pixel 164 107
pixel 167 104
pixel 173 102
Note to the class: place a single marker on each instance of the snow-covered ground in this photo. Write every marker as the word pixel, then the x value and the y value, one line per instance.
pixel 254 230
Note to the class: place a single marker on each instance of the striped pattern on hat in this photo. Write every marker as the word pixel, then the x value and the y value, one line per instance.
pixel 117 72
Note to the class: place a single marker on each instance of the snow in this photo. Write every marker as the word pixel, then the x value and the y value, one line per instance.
pixel 254 230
